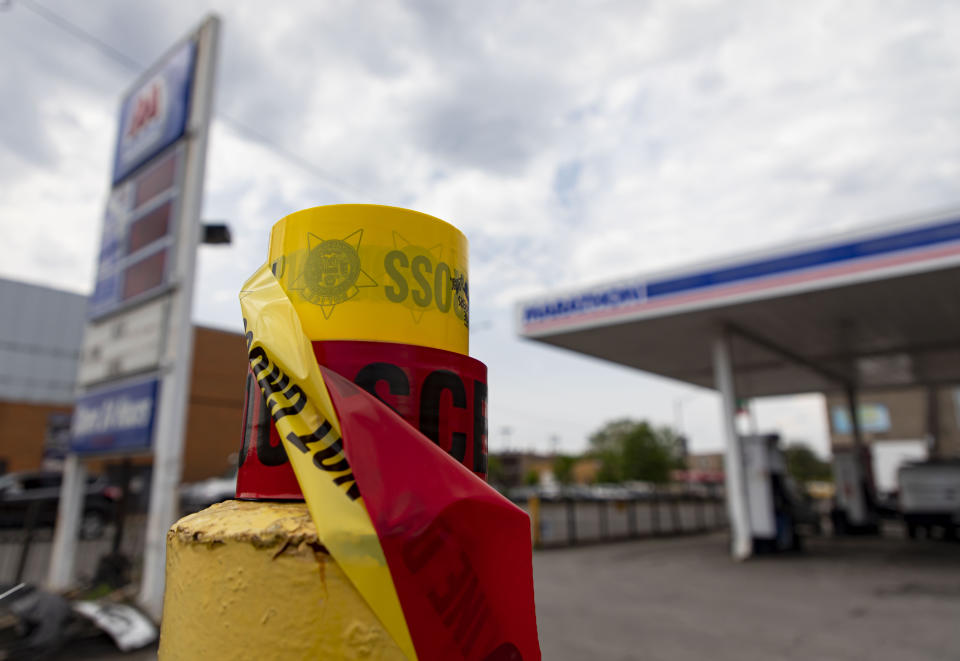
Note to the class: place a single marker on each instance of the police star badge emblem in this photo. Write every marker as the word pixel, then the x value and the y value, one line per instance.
pixel 332 272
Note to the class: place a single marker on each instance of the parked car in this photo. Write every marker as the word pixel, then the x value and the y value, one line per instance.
pixel 40 491
pixel 196 496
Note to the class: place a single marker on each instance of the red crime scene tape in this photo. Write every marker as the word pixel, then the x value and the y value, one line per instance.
pixel 441 393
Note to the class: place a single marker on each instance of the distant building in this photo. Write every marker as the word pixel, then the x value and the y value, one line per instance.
pixel 585 470
pixel 513 468
pixel 707 461
pixel 41 332
pixel 510 469
pixel 703 468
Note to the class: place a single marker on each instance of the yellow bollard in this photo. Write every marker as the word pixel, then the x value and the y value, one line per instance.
pixel 250 580
pixel 533 506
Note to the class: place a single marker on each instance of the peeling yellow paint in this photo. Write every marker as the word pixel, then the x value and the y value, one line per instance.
pixel 251 580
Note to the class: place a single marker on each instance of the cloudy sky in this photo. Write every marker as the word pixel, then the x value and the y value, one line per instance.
pixel 570 141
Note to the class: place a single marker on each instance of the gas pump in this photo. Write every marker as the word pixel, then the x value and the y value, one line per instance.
pixel 854 510
pixel 771 504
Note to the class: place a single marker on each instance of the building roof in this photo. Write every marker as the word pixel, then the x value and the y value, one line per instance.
pixel 873 308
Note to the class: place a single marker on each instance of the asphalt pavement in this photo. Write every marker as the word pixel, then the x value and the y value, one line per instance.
pixel 684 599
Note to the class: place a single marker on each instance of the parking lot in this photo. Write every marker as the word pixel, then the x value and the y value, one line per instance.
pixel 684 599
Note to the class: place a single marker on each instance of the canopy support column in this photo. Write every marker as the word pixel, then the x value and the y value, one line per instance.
pixel 862 509
pixel 741 542
pixel 855 430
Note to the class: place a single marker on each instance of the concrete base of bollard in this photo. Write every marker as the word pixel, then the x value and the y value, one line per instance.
pixel 250 580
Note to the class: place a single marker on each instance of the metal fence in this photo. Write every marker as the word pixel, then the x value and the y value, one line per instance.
pixel 556 522
pixel 579 520
pixel 25 556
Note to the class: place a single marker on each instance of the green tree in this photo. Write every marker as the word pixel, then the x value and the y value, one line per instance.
pixel 646 457
pixel 671 440
pixel 611 467
pixel 532 478
pixel 610 436
pixel 804 465
pixel 563 468
pixel 634 450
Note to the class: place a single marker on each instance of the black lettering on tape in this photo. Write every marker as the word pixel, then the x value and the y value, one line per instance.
pixel 396 379
pixel 458 597
pixel 292 394
pixel 275 382
pixel 443 287
pixel 330 458
pixel 446 289
pixel 390 262
pixel 268 378
pixel 333 451
pixel 256 356
pixel 247 334
pixel 318 434
pixel 479 426
pixel 458 445
pixel 471 638
pixel 419 551
pixel 464 614
pixel 353 490
pixel 433 388
pixel 462 289
pixel 280 384
pixel 424 296
pixel 453 585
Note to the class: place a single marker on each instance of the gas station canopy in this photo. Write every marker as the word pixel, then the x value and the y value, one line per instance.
pixel 875 308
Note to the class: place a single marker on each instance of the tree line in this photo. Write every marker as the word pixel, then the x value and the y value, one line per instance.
pixel 631 450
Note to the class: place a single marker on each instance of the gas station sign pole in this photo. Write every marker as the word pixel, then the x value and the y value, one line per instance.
pixel 178 359
pixel 134 372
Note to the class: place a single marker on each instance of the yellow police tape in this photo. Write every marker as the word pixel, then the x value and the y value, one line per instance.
pixel 282 360
pixel 368 272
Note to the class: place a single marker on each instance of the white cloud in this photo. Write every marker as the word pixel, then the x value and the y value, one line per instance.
pixel 571 143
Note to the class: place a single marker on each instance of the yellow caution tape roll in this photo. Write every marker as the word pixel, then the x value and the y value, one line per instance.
pixel 369 272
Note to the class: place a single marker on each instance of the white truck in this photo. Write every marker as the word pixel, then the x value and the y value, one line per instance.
pixel 930 497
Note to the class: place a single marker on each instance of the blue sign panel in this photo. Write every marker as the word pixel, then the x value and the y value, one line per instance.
pixel 872 418
pixel 106 292
pixel 155 114
pixel 115 419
